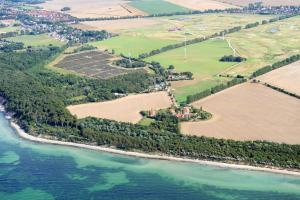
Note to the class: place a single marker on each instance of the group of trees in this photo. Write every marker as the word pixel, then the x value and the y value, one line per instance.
pixel 8 46
pixel 213 90
pixel 232 58
pixel 39 97
pixel 130 63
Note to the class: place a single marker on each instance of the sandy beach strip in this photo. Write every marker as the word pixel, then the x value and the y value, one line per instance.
pixel 26 136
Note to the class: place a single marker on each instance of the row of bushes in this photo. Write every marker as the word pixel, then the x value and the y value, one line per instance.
pixel 276 65
pixel 218 88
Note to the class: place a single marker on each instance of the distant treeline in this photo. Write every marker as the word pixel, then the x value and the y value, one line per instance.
pixel 191 12
pixel 276 65
pixel 38 97
pixel 216 89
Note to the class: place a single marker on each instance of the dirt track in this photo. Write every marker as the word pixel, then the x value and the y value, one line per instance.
pixel 249 112
pixel 126 109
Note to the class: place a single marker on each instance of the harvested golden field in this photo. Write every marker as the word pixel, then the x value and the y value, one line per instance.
pixel 287 78
pixel 126 109
pixel 202 4
pixel 93 8
pixel 265 2
pixel 249 112
pixel 117 25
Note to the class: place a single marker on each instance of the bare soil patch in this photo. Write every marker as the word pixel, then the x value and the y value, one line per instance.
pixel 249 112
pixel 265 2
pixel 287 78
pixel 203 4
pixel 117 25
pixel 126 109
pixel 93 8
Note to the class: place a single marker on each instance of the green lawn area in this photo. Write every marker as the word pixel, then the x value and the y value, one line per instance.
pixel 146 121
pixel 157 6
pixel 202 60
pixel 36 40
pixel 131 45
pixel 9 29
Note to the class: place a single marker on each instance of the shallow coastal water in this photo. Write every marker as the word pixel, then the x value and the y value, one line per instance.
pixel 30 170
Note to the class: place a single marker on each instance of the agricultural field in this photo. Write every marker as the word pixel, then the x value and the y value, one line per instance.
pixel 93 8
pixel 126 109
pixel 202 4
pixel 202 59
pixel 287 78
pixel 154 7
pixel 36 40
pixel 168 30
pixel 94 64
pixel 265 2
pixel 130 45
pixel 117 26
pixel 265 45
pixel 249 111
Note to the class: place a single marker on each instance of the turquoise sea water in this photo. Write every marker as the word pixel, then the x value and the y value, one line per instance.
pixel 40 171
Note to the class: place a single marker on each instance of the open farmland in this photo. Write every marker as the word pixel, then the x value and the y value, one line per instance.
pixel 93 8
pixel 267 44
pixel 126 109
pixel 94 64
pixel 202 4
pixel 117 26
pixel 36 40
pixel 132 46
pixel 154 7
pixel 168 30
pixel 249 112
pixel 287 78
pixel 265 2
pixel 202 59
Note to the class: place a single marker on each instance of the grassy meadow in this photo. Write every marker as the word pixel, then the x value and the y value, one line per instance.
pixel 153 7
pixel 9 29
pixel 36 40
pixel 131 45
pixel 171 30
pixel 266 44
pixel 202 60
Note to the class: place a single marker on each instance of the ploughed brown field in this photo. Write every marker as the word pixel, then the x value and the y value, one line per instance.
pixel 126 109
pixel 265 2
pixel 287 78
pixel 116 25
pixel 202 4
pixel 249 111
pixel 93 8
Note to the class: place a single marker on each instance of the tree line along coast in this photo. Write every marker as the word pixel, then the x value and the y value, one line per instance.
pixel 38 97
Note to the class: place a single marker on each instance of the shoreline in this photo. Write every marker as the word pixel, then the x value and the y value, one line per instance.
pixel 21 133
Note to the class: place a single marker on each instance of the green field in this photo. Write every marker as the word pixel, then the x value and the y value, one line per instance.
pixel 266 44
pixel 132 46
pixel 202 60
pixel 36 40
pixel 9 29
pixel 136 41
pixel 153 7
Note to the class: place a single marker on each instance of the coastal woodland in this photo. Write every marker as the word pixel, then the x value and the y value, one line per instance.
pixel 39 97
